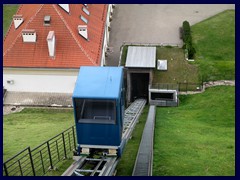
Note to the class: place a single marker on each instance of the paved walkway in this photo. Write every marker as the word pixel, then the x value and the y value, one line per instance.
pixel 15 101
pixel 154 23
pixel 38 99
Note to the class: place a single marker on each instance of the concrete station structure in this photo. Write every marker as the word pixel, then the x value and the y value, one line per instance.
pixel 140 63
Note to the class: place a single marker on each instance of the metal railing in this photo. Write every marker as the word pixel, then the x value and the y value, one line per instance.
pixel 188 86
pixel 40 160
pixel 180 86
pixel 167 86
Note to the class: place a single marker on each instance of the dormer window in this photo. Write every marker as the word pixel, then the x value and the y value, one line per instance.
pixel 84 19
pixel 86 11
pixel 18 20
pixel 47 20
pixel 65 7
pixel 82 30
pixel 29 35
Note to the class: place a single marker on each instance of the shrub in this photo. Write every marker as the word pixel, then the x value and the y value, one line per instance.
pixel 187 39
pixel 191 51
pixel 186 31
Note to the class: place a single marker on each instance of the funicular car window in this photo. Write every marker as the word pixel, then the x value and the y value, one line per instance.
pixel 95 111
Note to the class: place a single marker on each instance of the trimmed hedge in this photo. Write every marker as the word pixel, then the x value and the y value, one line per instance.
pixel 187 39
pixel 186 31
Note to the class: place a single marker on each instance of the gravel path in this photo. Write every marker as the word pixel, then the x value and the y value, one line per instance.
pixel 211 84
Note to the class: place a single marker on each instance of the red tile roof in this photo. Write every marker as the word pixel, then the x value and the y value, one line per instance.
pixel 72 50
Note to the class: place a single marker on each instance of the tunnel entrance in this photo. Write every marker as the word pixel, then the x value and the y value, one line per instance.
pixel 139 86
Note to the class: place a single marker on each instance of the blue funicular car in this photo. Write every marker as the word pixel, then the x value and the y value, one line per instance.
pixel 98 101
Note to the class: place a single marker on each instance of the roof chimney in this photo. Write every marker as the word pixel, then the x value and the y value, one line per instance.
pixel 82 30
pixel 29 35
pixel 51 43
pixel 18 20
pixel 47 20
pixel 65 7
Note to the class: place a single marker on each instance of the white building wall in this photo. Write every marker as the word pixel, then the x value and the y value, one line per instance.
pixel 104 49
pixel 39 83
pixel 108 22
pixel 106 35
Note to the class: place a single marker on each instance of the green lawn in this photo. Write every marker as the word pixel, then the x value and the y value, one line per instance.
pixel 198 137
pixel 126 164
pixel 214 41
pixel 124 55
pixel 32 127
pixel 179 70
pixel 8 12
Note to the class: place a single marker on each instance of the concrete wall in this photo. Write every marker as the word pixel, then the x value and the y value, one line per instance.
pixel 39 80
pixel 173 102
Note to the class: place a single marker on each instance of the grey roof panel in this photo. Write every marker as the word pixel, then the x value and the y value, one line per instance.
pixel 143 57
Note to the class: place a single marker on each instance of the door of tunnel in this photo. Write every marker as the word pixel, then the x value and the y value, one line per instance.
pixel 139 86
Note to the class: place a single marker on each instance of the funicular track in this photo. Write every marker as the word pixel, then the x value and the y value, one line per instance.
pixel 102 165
pixel 143 163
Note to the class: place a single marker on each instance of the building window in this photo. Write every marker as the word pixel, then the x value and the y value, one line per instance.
pixel 86 11
pixel 84 19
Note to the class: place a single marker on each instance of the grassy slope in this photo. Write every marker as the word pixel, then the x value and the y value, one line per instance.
pixel 214 40
pixel 198 137
pixel 126 164
pixel 31 127
pixel 8 12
